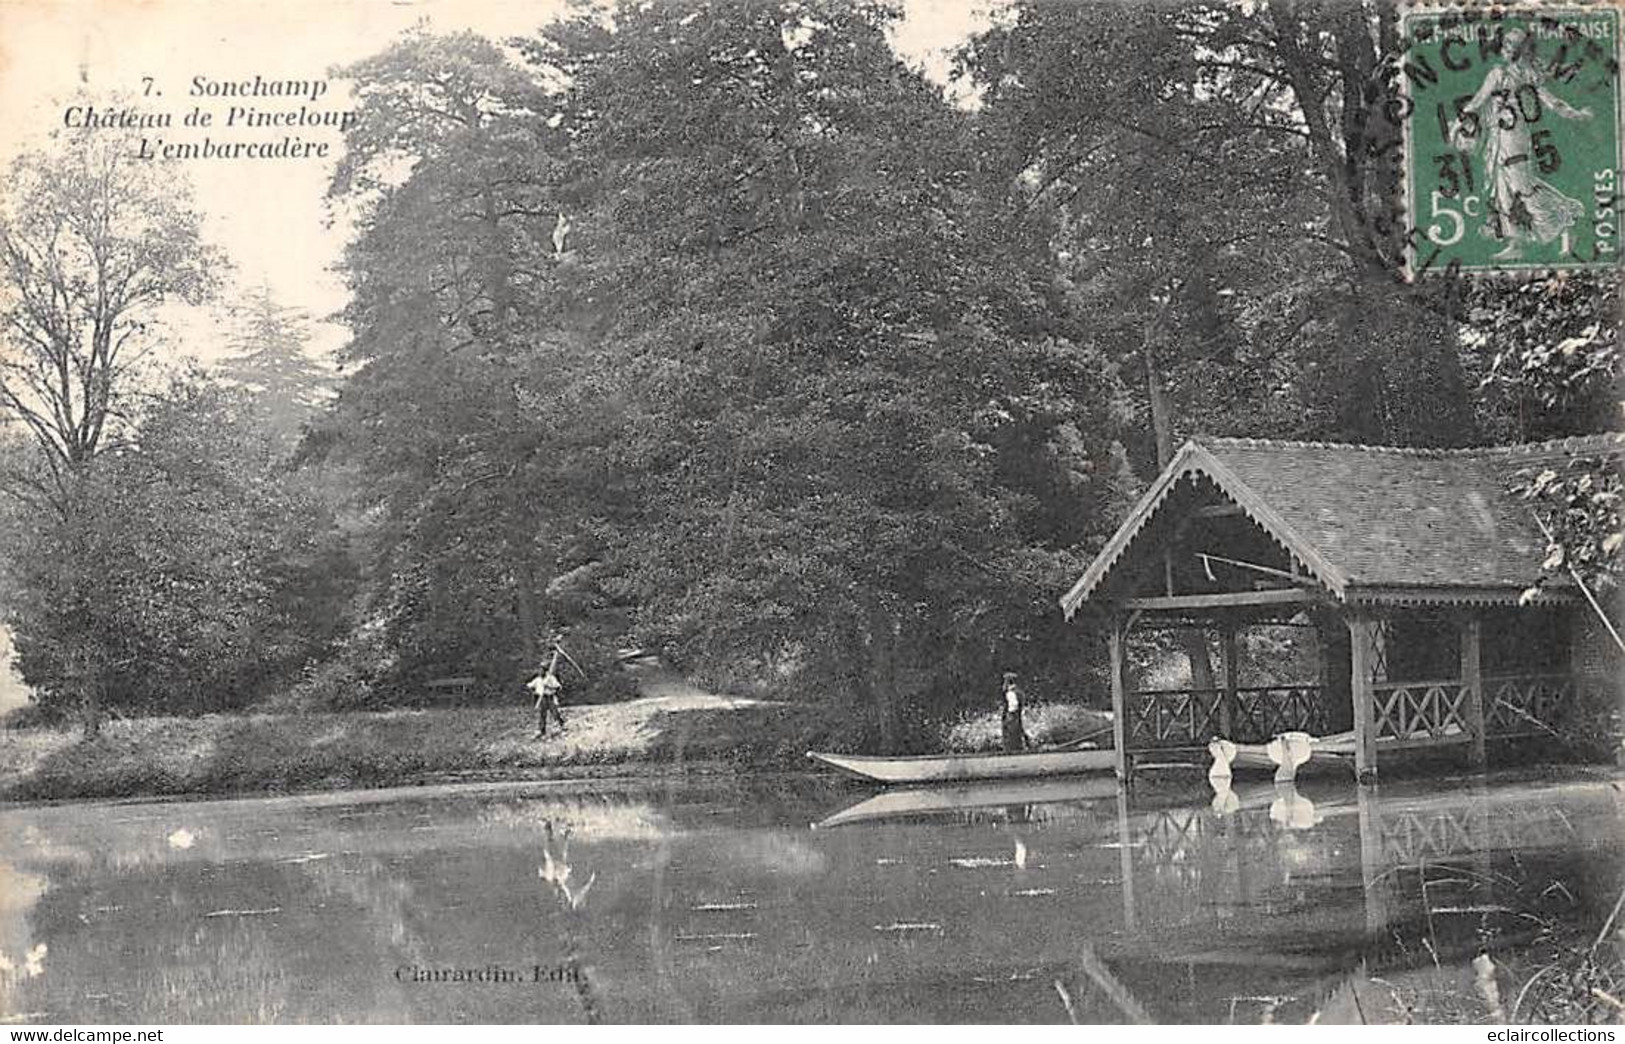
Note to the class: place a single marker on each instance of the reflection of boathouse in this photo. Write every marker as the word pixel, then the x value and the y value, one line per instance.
pixel 1409 565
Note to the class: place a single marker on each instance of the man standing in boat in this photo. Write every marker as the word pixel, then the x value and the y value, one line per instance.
pixel 1015 736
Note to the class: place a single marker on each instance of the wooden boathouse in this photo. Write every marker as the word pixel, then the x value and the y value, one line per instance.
pixel 1409 565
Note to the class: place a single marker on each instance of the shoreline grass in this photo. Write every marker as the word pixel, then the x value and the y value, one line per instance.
pixel 273 753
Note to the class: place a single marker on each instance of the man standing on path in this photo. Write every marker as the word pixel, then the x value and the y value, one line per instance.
pixel 546 686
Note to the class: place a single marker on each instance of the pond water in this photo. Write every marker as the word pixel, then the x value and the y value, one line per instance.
pixel 795 898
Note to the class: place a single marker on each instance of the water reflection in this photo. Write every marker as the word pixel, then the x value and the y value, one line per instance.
pixel 1287 806
pixel 996 902
pixel 1020 800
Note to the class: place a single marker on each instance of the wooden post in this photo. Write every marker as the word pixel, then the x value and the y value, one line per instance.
pixel 1227 702
pixel 1472 681
pixel 1114 641
pixel 1362 641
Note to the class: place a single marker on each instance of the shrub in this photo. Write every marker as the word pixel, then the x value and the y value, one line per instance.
pixel 331 685
pixel 1047 724
pixel 34 715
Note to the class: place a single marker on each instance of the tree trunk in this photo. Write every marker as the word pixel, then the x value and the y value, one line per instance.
pixel 90 682
pixel 498 279
pixel 1195 641
pixel 1302 76
pixel 525 604
pixel 1157 395
pixel 1201 663
pixel 499 269
pixel 880 641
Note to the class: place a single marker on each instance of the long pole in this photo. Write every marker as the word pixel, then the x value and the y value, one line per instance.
pixel 559 648
pixel 1575 573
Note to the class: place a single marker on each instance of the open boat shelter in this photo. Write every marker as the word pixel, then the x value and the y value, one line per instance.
pixel 1413 569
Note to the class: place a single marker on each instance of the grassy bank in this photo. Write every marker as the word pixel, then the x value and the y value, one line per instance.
pixel 220 754
pixel 674 726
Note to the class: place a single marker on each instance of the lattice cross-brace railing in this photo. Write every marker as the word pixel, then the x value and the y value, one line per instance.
pixel 1526 703
pixel 1179 718
pixel 1262 713
pixel 1172 835
pixel 1422 710
pixel 1192 717
pixel 1413 837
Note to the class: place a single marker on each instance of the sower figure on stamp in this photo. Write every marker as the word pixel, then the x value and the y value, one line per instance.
pixel 1015 735
pixel 1502 116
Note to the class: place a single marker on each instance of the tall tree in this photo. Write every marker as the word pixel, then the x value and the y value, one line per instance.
pixel 270 359
pixel 867 441
pixel 464 400
pixel 1233 186
pixel 724 355
pixel 91 245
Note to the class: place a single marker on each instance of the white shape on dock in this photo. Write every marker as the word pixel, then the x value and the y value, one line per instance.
pixel 1288 751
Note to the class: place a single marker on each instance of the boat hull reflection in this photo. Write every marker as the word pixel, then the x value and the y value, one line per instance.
pixel 939 800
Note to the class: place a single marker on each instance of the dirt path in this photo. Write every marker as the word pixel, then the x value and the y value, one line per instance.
pixel 626 729
pixel 666 690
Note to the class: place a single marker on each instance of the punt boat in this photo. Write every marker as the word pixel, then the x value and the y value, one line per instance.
pixel 952 768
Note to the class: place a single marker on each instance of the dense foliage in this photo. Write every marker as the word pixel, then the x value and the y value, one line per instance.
pixel 716 328
pixel 186 573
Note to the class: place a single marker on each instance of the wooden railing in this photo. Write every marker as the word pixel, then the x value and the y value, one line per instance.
pixel 1264 712
pixel 1429 713
pixel 1162 719
pixel 1524 704
pixel 1422 713
pixel 1406 714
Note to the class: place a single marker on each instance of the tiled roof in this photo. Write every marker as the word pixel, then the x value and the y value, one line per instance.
pixel 1375 516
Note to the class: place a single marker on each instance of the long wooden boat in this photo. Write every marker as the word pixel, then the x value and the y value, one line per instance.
pixel 959 797
pixel 945 768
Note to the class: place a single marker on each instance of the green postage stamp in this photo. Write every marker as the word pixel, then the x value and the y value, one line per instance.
pixel 1512 138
